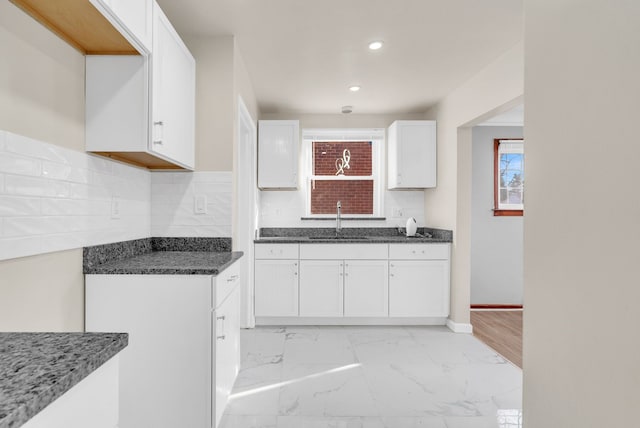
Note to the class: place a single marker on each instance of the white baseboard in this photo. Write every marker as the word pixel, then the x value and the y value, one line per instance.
pixel 458 327
pixel 349 321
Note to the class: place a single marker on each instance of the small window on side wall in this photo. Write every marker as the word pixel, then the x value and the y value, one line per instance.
pixel 508 161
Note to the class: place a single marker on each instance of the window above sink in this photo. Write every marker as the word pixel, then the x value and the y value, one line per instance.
pixel 343 165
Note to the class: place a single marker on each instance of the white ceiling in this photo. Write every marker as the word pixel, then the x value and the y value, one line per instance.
pixel 302 55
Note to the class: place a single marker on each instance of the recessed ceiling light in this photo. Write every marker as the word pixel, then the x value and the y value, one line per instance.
pixel 354 88
pixel 374 46
pixel 347 109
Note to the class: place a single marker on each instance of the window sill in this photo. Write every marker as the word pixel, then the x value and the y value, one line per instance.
pixel 345 218
pixel 508 213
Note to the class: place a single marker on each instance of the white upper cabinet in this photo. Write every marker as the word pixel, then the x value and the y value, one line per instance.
pixel 133 19
pixel 141 109
pixel 173 93
pixel 412 154
pixel 278 146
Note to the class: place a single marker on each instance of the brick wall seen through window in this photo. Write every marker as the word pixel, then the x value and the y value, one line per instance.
pixel 356 195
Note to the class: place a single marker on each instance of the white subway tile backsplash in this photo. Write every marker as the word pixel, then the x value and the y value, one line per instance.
pixel 14 164
pixel 3 138
pixel 19 206
pixel 54 199
pixel 41 225
pixel 183 231
pixel 172 204
pixel 35 149
pixel 33 186
pixel 214 177
pixel 59 171
pixel 285 209
pixel 19 247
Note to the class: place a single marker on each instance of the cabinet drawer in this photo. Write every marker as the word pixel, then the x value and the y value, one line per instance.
pixel 419 251
pixel 343 251
pixel 225 282
pixel 276 251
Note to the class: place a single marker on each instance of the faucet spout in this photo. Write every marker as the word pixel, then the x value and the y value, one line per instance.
pixel 338 220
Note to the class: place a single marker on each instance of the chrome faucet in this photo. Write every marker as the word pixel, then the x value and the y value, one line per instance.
pixel 338 224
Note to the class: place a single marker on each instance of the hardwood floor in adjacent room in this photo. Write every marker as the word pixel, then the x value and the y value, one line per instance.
pixel 502 331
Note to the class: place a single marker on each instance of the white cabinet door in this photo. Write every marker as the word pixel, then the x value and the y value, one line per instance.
pixel 136 15
pixel 165 371
pixel 366 288
pixel 132 19
pixel 126 93
pixel 276 288
pixel 419 288
pixel 278 143
pixel 93 402
pixel 227 350
pixel 173 94
pixel 412 154
pixel 321 288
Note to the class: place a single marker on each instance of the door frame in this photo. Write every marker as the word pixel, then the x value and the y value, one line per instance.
pixel 247 209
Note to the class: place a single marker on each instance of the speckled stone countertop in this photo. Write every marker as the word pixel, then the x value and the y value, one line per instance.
pixel 169 263
pixel 372 235
pixel 161 256
pixel 37 368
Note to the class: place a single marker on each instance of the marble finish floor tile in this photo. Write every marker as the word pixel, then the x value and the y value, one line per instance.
pixel 329 422
pixel 372 377
pixel 244 421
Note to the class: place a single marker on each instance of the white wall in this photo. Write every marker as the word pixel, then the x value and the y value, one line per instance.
pixel 285 208
pixel 496 241
pixel 581 242
pixel 214 101
pixel 41 97
pixel 41 82
pixel 495 89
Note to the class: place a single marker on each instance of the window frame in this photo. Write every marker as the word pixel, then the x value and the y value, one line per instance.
pixel 501 212
pixel 377 138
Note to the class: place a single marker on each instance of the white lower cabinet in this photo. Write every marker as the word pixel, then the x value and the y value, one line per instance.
pixel 276 288
pixel 183 354
pixel 226 328
pixel 321 288
pixel 366 288
pixel 92 402
pixel 360 282
pixel 418 288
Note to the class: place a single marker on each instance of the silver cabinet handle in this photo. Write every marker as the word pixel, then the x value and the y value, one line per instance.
pixel 232 278
pixel 159 140
pixel 223 335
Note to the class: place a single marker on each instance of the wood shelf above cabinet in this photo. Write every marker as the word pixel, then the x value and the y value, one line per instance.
pixel 80 24
pixel 141 159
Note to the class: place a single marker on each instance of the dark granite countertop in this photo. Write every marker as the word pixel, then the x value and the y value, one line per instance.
pixel 348 240
pixel 37 368
pixel 168 263
pixel 160 256
pixel 351 235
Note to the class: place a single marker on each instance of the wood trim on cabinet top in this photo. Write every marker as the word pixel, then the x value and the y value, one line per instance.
pixel 80 24
pixel 141 159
